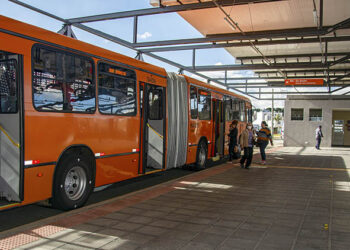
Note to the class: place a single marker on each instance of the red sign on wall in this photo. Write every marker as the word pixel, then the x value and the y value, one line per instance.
pixel 317 82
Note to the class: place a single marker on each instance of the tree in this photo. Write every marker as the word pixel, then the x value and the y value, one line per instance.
pixel 278 118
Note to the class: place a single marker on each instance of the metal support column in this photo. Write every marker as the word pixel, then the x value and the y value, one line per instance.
pixel 135 30
pixel 272 113
pixel 194 58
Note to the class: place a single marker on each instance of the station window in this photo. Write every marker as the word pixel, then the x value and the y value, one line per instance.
pixel 315 115
pixel 242 111
pixel 155 101
pixel 116 90
pixel 62 82
pixel 8 86
pixel 297 114
pixel 194 103
pixel 204 105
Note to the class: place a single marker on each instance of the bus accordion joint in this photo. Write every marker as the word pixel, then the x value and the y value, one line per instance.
pixel 9 137
pixel 154 131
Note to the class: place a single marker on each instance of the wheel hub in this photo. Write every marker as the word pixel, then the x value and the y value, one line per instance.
pixel 75 183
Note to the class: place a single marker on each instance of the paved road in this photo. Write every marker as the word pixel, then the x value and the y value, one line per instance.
pixel 23 215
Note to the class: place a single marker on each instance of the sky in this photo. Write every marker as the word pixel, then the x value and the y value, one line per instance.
pixel 150 28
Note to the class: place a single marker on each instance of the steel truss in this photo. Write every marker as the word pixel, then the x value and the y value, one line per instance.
pixel 306 66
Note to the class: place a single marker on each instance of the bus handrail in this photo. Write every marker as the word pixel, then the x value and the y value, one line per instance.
pixel 9 137
pixel 148 125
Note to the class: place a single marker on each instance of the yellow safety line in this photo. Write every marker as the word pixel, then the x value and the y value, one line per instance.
pixel 11 140
pixel 154 171
pixel 154 131
pixel 10 205
pixel 305 168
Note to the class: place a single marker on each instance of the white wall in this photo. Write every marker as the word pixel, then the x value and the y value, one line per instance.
pixel 302 133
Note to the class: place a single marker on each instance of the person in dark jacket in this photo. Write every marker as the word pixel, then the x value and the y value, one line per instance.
pixel 319 136
pixel 233 139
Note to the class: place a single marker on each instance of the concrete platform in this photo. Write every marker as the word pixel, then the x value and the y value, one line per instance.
pixel 300 200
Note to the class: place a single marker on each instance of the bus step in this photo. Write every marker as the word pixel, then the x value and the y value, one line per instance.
pixel 216 158
pixel 7 204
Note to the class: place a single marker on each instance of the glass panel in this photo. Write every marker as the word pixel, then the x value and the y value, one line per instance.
pixel 242 111
pixel 8 86
pixel 62 82
pixel 315 115
pixel 116 90
pixel 250 115
pixel 155 104
pixel 297 114
pixel 204 105
pixel 194 103
pixel 235 110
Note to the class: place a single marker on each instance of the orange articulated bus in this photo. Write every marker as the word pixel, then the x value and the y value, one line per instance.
pixel 74 116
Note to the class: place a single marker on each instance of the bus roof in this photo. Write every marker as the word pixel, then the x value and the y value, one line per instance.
pixel 220 90
pixel 41 35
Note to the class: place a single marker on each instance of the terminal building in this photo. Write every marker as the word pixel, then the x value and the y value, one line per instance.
pixel 304 113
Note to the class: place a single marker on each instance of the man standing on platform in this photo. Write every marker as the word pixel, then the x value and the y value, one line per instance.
pixel 319 136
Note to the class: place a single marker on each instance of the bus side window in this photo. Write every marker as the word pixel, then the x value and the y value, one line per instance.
pixel 235 110
pixel 62 82
pixel 116 90
pixel 204 105
pixel 194 102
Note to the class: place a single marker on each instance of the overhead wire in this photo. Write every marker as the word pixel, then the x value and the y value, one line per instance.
pixel 252 45
pixel 235 25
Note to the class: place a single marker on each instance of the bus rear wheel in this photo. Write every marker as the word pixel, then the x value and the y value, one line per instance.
pixel 202 153
pixel 73 183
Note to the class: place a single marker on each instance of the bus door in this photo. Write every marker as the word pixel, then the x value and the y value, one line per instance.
pixel 11 127
pixel 218 128
pixel 154 128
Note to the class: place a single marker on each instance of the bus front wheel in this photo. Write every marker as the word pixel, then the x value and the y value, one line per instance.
pixel 73 183
pixel 202 152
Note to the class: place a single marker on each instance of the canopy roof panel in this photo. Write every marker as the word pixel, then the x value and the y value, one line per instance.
pixel 277 15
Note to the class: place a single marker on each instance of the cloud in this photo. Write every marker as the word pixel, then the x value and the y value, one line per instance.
pixel 218 63
pixel 144 35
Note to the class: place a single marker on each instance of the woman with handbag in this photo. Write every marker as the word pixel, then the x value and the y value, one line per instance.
pixel 246 141
pixel 232 147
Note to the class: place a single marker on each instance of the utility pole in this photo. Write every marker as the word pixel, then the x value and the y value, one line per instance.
pixel 272 114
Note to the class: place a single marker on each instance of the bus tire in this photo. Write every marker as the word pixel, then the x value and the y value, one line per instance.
pixel 202 155
pixel 73 182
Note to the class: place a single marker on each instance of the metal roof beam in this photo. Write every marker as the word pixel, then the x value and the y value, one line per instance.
pixel 280 86
pixel 291 56
pixel 287 92
pixel 341 60
pixel 213 45
pixel 162 10
pixel 277 78
pixel 300 32
pixel 319 71
pixel 260 66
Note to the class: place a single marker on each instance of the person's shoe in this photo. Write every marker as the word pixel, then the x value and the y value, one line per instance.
pixel 242 165
pixel 263 162
pixel 246 167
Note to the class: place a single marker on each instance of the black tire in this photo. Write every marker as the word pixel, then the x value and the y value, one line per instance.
pixel 202 155
pixel 73 183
